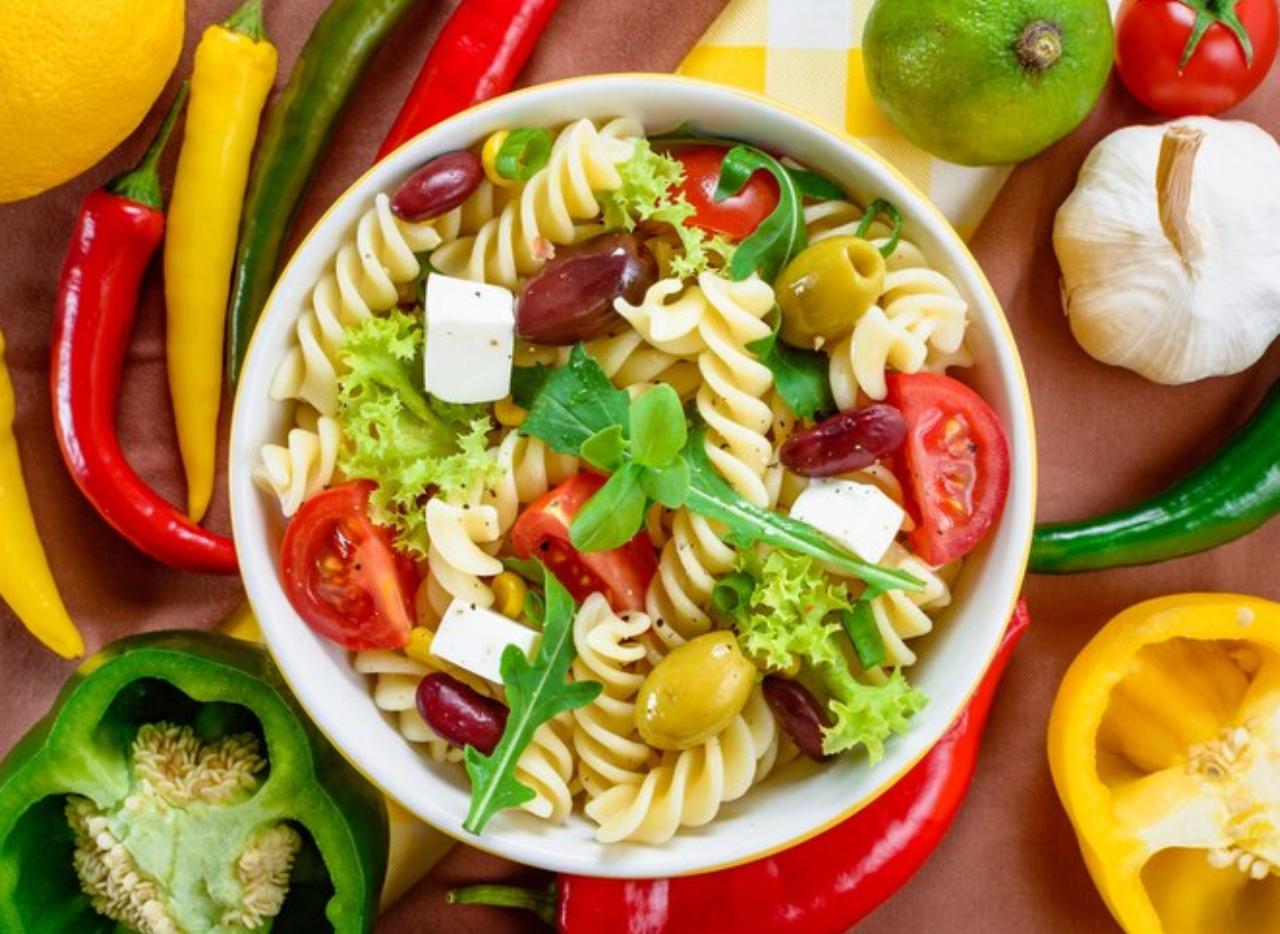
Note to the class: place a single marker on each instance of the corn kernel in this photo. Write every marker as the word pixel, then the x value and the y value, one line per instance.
pixel 419 647
pixel 508 414
pixel 489 159
pixel 509 590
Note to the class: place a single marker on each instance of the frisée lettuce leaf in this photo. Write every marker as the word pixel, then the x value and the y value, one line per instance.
pixel 410 444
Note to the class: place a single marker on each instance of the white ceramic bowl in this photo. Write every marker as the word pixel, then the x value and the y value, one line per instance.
pixel 785 809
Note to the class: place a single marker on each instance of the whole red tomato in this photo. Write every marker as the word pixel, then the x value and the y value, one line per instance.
pixel 1169 69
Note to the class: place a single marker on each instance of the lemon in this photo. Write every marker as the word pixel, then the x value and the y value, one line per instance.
pixel 76 78
pixel 987 82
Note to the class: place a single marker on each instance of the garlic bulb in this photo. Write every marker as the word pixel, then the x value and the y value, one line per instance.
pixel 1170 249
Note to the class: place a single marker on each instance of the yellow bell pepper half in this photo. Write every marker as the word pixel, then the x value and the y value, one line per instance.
pixel 1164 743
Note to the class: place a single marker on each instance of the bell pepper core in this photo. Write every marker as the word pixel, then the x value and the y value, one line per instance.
pixel 1164 743
pixel 176 785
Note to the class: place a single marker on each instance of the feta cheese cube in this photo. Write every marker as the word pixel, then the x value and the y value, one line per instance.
pixel 474 638
pixel 471 332
pixel 857 515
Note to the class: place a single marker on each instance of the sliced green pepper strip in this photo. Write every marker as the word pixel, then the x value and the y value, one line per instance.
pixel 1230 496
pixel 218 691
pixel 523 153
pixel 295 136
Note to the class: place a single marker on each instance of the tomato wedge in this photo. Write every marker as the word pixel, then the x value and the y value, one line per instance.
pixel 342 574
pixel 736 217
pixel 954 464
pixel 622 574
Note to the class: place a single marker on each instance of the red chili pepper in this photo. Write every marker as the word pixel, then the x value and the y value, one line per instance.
pixel 477 56
pixel 826 884
pixel 116 234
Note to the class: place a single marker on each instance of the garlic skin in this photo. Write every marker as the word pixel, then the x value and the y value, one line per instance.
pixel 1170 249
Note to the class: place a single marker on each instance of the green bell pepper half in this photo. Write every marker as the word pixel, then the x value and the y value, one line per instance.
pixel 223 703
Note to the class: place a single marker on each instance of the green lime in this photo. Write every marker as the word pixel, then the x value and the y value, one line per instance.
pixel 990 82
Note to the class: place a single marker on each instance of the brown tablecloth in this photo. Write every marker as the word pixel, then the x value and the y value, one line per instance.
pixel 1105 436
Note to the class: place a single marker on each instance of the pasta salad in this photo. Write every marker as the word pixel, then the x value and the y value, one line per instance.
pixel 629 469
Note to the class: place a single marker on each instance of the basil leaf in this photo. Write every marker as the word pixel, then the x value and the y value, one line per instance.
pixel 537 692
pixel 780 235
pixel 711 497
pixel 667 485
pixel 874 210
pixel 658 429
pixel 526 383
pixel 613 515
pixel 605 449
pixel 801 376
pixel 577 401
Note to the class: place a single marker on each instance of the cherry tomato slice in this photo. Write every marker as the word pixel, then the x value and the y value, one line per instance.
pixel 342 574
pixel 954 464
pixel 622 574
pixel 1152 36
pixel 736 217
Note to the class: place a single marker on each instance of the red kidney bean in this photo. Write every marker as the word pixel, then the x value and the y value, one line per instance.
pixel 459 713
pixel 799 714
pixel 571 298
pixel 846 441
pixel 439 186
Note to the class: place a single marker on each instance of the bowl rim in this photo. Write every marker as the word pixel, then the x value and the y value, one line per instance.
pixel 507 844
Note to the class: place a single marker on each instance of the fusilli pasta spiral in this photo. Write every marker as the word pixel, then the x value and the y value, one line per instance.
pixel 546 210
pixel 688 788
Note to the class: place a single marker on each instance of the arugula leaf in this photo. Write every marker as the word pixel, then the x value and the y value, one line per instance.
pixel 802 376
pixel 711 497
pixel 614 513
pixel 606 449
pixel 814 186
pixel 779 236
pixel 537 692
pixel 527 382
pixel 576 402
pixel 874 210
pixel 658 429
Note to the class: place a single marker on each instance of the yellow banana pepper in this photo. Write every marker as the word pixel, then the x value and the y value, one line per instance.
pixel 26 583
pixel 1164 743
pixel 235 67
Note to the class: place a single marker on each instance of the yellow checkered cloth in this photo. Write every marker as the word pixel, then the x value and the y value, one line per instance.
pixel 807 54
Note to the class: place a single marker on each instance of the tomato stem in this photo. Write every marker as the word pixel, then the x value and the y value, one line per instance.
pixel 1209 12
pixel 1039 46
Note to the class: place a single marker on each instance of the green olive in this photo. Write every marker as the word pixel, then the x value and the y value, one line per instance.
pixel 826 288
pixel 694 693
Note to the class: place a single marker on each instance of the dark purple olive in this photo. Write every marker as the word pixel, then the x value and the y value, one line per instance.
pixel 439 186
pixel 846 441
pixel 571 298
pixel 460 714
pixel 799 713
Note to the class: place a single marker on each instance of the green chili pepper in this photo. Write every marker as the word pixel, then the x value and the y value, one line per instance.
pixel 1230 496
pixel 177 785
pixel 297 132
